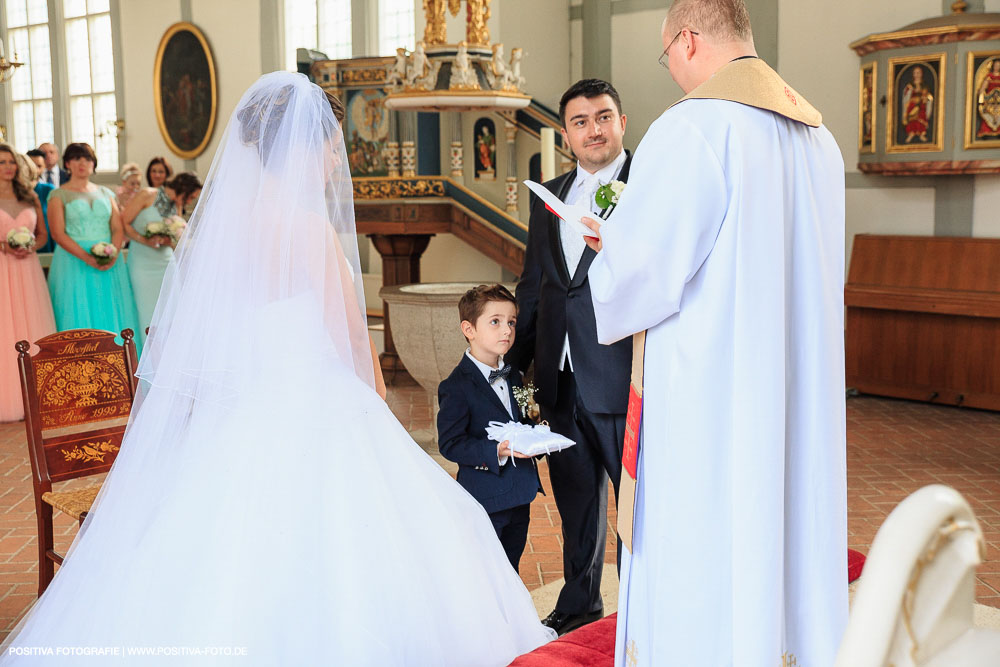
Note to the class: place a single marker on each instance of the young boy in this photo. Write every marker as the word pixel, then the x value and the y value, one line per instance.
pixel 478 391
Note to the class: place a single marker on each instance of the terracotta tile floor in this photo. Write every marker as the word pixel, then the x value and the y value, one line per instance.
pixel 894 448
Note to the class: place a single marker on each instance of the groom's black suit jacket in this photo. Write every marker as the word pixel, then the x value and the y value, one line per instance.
pixel 551 302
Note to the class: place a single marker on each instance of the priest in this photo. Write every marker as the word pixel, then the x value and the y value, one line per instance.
pixel 725 261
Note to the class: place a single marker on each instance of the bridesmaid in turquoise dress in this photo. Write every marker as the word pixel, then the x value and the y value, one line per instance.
pixel 86 295
pixel 148 257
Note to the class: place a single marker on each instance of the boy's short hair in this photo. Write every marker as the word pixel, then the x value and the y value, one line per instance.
pixel 473 303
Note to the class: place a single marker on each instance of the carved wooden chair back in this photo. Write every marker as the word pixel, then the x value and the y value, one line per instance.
pixel 78 390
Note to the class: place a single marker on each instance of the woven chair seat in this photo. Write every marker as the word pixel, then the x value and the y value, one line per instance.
pixel 73 503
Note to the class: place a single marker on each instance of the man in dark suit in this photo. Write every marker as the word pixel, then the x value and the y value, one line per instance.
pixel 52 173
pixel 582 386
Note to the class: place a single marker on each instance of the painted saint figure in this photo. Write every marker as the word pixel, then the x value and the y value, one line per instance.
pixel 988 101
pixel 486 144
pixel 918 107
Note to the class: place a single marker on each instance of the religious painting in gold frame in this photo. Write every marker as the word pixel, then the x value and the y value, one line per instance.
pixel 915 117
pixel 866 108
pixel 185 90
pixel 982 100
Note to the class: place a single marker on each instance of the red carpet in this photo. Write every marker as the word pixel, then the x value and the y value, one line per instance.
pixel 594 645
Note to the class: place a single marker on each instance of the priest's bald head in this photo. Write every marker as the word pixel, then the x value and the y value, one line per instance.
pixel 701 36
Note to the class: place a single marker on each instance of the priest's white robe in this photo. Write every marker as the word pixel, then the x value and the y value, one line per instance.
pixel 728 246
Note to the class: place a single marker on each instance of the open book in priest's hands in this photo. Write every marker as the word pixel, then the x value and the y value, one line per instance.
pixel 526 439
pixel 571 213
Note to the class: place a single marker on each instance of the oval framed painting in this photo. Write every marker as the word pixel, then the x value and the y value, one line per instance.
pixel 185 90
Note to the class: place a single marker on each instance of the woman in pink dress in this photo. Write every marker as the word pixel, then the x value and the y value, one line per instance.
pixel 25 308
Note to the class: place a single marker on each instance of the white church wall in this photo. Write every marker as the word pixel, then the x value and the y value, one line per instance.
pixel 986 205
pixel 448 259
pixel 542 29
pixel 143 24
pixel 813 54
pixel 235 49
pixel 237 57
pixel 905 211
pixel 646 88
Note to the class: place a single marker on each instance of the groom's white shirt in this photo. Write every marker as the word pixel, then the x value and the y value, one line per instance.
pixel 582 193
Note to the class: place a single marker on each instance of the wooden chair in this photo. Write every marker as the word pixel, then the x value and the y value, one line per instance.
pixel 78 391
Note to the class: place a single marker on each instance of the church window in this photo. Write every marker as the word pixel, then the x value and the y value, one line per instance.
pixel 323 25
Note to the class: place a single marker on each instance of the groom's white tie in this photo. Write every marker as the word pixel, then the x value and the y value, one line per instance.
pixel 572 243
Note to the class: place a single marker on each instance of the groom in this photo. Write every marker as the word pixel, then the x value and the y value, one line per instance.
pixel 582 386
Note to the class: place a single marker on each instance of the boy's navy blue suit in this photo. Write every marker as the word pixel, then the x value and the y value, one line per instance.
pixel 467 405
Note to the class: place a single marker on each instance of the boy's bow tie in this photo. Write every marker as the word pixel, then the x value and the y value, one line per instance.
pixel 500 373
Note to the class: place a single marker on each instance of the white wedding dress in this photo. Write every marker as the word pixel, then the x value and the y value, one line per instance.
pixel 266 507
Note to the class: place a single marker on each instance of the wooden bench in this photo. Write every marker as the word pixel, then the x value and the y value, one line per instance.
pixel 923 319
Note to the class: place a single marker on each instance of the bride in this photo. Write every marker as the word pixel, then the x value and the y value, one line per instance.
pixel 266 507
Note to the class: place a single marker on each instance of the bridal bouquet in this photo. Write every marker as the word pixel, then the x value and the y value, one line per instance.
pixel 104 252
pixel 526 439
pixel 157 230
pixel 20 238
pixel 169 228
pixel 175 227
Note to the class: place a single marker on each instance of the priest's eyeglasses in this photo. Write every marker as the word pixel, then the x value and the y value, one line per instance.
pixel 664 59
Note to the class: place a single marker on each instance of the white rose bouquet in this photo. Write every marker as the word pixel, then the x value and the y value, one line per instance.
pixel 104 252
pixel 175 227
pixel 158 232
pixel 20 238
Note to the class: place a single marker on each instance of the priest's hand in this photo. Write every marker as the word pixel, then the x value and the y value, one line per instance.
pixel 593 242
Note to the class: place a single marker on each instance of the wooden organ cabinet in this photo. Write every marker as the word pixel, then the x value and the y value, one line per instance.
pixel 923 319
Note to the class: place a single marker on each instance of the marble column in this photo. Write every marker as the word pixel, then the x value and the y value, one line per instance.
pixel 400 266
pixel 510 129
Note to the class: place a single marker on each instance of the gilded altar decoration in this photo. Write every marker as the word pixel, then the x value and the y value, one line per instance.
pixel 916 111
pixel 361 76
pixel 982 104
pixel 398 188
pixel 463 76
pixel 435 30
pixel 421 72
pixel 472 74
pixel 866 109
pixel 477 14
pixel 91 452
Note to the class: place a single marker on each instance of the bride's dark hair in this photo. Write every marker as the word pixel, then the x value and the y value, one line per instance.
pixel 260 117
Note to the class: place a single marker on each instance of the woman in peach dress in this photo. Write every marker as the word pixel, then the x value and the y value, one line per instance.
pixel 25 308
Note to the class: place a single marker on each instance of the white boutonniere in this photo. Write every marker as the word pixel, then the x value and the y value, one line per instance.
pixel 525 397
pixel 607 197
